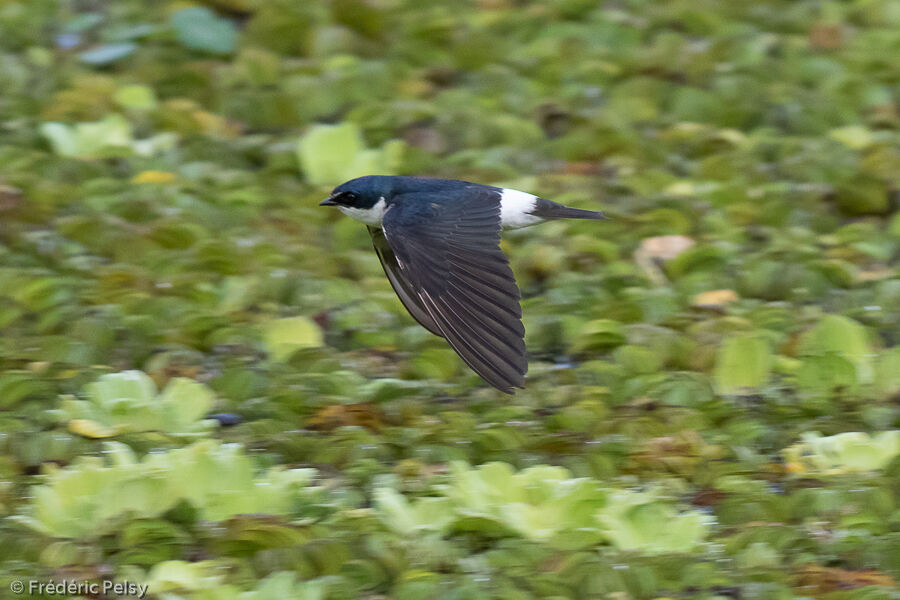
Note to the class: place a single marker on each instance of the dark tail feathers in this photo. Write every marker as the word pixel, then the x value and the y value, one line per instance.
pixel 547 209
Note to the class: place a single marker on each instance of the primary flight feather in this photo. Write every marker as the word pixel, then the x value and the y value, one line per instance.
pixel 439 243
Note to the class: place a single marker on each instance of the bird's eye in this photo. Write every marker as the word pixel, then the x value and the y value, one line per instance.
pixel 349 196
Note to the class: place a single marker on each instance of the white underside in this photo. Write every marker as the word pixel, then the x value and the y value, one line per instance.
pixel 369 216
pixel 515 209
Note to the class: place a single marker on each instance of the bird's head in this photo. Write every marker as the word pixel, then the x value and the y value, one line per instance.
pixel 363 198
pixel 362 193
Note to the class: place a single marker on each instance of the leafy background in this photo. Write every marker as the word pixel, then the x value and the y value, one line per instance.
pixel 209 387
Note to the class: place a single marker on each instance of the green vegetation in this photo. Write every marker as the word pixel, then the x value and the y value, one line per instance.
pixel 127 401
pixel 208 386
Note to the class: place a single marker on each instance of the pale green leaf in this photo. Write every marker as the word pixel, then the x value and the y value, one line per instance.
pixel 200 28
pixel 107 53
pixel 138 97
pixel 327 152
pixel 283 337
pixel 843 336
pixel 743 362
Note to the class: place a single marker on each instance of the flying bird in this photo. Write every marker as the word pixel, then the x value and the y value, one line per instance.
pixel 439 243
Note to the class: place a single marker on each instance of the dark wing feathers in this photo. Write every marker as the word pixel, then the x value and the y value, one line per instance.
pixel 402 287
pixel 444 260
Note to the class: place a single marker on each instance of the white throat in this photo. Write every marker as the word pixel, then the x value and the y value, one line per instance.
pixel 369 216
pixel 515 209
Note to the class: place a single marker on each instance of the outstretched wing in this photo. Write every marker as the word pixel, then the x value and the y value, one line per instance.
pixel 404 289
pixel 450 264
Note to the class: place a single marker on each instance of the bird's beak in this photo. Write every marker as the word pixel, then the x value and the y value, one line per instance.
pixel 328 202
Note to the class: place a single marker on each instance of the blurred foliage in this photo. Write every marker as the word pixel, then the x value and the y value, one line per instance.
pixel 332 154
pixel 128 402
pixel 207 384
pixel 843 452
pixel 543 504
pixel 86 499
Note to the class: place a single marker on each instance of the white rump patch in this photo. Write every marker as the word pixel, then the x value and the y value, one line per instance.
pixel 369 216
pixel 515 207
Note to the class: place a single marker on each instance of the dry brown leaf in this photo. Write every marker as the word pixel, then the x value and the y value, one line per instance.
pixel 654 250
pixel 823 580
pixel 714 299
pixel 10 197
pixel 586 168
pixel 876 274
pixel 665 247
pixel 660 249
pixel 682 452
pixel 362 414
pixel 826 37
pixel 708 497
